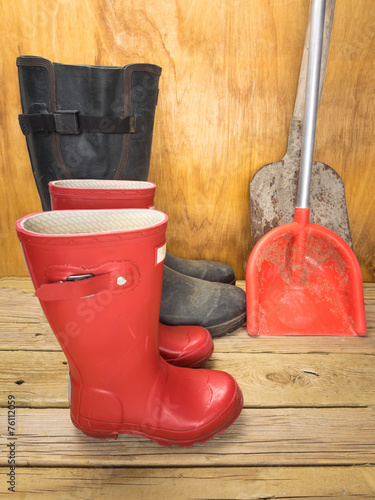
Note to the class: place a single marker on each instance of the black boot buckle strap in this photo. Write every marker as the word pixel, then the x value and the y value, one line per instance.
pixel 71 122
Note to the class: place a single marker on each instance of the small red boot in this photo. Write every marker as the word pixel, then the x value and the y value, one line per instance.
pixel 179 345
pixel 98 276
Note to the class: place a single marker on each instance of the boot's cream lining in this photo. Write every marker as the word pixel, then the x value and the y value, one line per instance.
pixel 91 221
pixel 102 184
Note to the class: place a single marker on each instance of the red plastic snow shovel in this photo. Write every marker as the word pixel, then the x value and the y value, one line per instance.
pixel 302 278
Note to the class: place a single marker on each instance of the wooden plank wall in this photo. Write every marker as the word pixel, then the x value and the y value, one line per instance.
pixel 230 71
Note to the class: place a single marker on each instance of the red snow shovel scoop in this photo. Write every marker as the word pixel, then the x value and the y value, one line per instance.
pixel 302 278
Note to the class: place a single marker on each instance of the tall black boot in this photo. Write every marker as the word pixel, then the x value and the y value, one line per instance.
pixel 96 122
pixel 87 122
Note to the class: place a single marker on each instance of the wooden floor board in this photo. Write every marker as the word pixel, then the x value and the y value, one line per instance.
pixel 24 327
pixel 297 436
pixel 39 378
pixel 250 483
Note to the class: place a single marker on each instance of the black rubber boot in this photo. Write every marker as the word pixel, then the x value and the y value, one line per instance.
pixel 87 122
pixel 207 270
pixel 218 307
pixel 96 122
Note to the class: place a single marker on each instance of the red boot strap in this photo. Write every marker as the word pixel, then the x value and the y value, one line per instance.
pixel 67 283
pixel 64 290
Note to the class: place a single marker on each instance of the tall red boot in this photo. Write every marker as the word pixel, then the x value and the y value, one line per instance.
pixel 179 345
pixel 98 276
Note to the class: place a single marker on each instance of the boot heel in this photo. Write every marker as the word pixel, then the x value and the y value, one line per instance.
pixel 98 434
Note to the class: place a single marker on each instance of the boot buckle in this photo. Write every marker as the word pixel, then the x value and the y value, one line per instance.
pixel 78 277
pixel 67 122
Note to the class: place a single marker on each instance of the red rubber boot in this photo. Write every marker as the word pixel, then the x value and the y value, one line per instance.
pixel 179 345
pixel 98 276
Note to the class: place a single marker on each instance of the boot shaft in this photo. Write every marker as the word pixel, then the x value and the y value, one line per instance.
pixel 87 121
pixel 81 194
pixel 98 276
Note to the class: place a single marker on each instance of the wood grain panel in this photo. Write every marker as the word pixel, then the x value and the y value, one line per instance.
pixel 248 483
pixel 230 71
pixel 298 436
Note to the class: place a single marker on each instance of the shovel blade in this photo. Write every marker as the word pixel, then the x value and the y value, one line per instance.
pixel 273 193
pixel 309 288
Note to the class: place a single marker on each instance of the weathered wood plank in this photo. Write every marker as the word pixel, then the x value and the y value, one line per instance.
pixel 23 326
pixel 22 321
pixel 35 378
pixel 301 380
pixel 250 483
pixel 240 341
pixel 39 379
pixel 259 437
pixel 22 283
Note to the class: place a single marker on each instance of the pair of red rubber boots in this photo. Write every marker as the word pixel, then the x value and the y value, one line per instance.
pixel 97 268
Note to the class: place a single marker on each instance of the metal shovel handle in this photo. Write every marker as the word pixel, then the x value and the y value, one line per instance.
pixel 311 102
pixel 299 105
